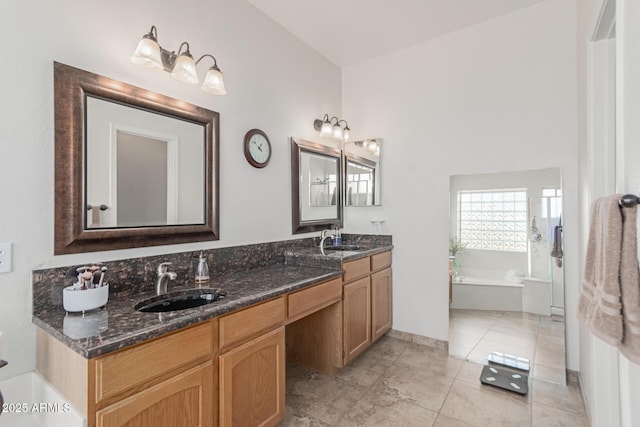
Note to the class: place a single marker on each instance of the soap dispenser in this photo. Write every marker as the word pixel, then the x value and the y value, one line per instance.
pixel 202 270
pixel 337 238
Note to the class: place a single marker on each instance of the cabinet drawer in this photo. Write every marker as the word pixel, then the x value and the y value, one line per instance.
pixel 312 299
pixel 380 261
pixel 355 269
pixel 130 369
pixel 238 327
pixel 183 400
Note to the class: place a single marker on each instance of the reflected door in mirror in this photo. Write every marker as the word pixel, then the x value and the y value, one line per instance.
pixel 144 161
pixel 147 168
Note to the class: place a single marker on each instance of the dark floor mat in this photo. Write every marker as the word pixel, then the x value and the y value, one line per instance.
pixel 506 379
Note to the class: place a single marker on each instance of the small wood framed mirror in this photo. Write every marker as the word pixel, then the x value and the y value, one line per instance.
pixel 316 183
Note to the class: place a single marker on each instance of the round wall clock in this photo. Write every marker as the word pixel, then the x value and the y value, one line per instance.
pixel 257 148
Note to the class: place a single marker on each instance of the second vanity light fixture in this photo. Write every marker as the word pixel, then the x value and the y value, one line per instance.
pixel 327 127
pixel 181 65
pixel 371 145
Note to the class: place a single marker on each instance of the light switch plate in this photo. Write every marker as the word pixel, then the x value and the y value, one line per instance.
pixel 5 257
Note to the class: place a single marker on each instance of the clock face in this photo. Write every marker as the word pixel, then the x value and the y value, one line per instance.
pixel 257 148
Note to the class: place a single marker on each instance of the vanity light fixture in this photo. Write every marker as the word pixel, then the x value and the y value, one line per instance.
pixel 371 145
pixel 328 128
pixel 181 64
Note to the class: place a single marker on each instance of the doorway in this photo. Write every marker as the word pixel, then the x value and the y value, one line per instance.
pixel 507 269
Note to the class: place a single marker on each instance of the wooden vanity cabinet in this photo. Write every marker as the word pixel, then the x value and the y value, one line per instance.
pixel 154 384
pixel 252 365
pixel 356 318
pixel 160 382
pixel 252 382
pixel 366 303
pixel 227 371
pixel 380 303
pixel 184 399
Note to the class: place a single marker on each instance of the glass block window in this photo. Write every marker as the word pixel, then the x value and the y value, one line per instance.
pixel 493 220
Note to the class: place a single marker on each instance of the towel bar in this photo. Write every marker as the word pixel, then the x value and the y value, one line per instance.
pixel 628 201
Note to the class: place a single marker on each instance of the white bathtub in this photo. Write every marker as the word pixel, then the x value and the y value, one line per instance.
pixel 489 293
pixel 30 401
pixel 480 293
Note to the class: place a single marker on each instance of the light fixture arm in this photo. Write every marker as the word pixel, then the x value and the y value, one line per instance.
pixel 169 58
pixel 152 34
pixel 187 52
pixel 215 63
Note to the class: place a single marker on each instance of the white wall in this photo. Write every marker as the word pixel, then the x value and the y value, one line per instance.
pixel 498 96
pixel 274 83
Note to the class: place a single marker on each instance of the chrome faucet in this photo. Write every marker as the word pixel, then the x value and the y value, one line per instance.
pixel 163 277
pixel 324 236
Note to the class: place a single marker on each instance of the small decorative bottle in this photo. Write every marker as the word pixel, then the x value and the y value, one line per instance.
pixel 202 270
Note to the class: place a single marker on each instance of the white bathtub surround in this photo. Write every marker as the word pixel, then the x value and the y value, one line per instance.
pixel 516 276
pixel 480 293
pixel 31 401
pixel 536 296
pixel 479 289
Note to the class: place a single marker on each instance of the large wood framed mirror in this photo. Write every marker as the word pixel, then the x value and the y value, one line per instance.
pixel 316 186
pixel 133 168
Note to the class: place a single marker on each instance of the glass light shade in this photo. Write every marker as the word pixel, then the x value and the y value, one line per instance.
pixel 147 54
pixel 345 134
pixel 337 132
pixel 213 82
pixel 185 69
pixel 326 129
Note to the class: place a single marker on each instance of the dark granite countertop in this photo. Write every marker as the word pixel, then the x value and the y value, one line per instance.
pixel 119 325
pixel 313 257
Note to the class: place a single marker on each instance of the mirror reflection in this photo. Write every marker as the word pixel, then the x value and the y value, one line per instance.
pixel 316 186
pixel 162 155
pixel 506 269
pixel 319 186
pixel 362 172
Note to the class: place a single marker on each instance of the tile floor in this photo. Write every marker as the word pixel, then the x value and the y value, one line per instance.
pixel 473 334
pixel 397 383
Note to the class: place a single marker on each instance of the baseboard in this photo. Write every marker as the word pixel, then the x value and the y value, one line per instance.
pixel 584 397
pixel 573 377
pixel 420 340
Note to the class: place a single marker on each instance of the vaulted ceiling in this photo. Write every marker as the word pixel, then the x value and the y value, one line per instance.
pixel 351 31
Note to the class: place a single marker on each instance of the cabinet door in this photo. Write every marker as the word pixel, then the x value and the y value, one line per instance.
pixel 356 318
pixel 252 382
pixel 183 400
pixel 380 303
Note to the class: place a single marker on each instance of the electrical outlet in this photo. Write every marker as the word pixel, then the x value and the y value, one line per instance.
pixel 5 257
